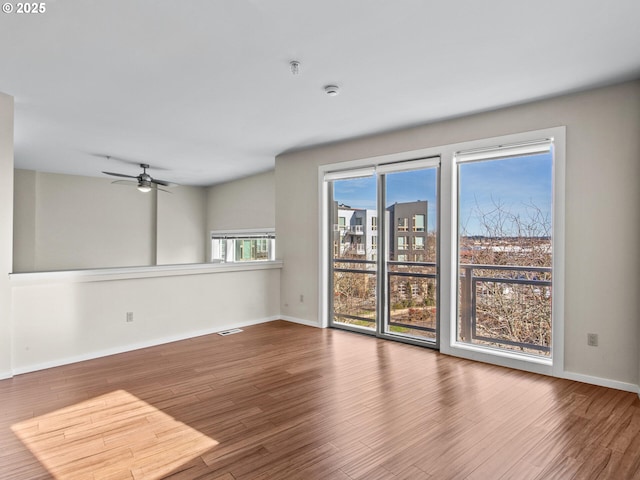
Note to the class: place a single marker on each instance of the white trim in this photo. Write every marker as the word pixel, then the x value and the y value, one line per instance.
pixel 128 273
pixel 301 321
pixel 136 346
pixel 408 165
pixel 503 358
pixel 373 162
pixel 558 232
pixel 345 174
pixel 323 257
pixel 602 382
pixel 6 375
pixel 449 237
pixel 501 151
pixel 244 231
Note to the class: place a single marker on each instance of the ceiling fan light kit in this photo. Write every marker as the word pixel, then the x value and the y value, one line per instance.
pixel 144 187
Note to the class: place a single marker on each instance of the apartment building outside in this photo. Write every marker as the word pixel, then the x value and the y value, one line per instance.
pixel 356 231
pixel 408 235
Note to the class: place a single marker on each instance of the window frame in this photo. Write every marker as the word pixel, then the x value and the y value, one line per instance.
pixel 447 316
pixel 229 239
pixel 504 152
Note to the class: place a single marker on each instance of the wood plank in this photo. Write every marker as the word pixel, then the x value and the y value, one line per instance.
pixel 285 401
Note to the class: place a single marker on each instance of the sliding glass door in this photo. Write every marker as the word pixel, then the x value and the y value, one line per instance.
pixel 354 244
pixel 411 260
pixel 384 250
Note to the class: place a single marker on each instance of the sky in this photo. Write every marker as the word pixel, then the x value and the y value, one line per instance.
pixel 519 186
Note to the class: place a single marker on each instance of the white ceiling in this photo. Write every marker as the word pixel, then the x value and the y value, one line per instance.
pixel 202 88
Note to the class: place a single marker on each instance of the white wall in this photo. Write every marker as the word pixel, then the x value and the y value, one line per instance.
pixel 24 221
pixel 81 222
pixel 181 226
pixel 6 230
pixel 60 322
pixel 245 203
pixel 242 204
pixel 66 222
pixel 602 215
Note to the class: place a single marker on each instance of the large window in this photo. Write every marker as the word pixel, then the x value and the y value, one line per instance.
pixel 418 223
pixel 242 246
pixel 505 247
pixel 500 249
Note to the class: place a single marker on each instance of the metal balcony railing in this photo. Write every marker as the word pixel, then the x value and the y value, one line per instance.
pixel 506 275
pixel 482 283
pixel 409 270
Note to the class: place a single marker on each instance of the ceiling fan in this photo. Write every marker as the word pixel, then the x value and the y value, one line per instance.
pixel 145 181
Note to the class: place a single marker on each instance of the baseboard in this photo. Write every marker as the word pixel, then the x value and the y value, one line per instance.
pixel 137 346
pixel 301 321
pixel 602 382
pixel 5 375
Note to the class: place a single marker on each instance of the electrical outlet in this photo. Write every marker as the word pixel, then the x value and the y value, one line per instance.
pixel 592 339
pixel 129 317
pixel 301 298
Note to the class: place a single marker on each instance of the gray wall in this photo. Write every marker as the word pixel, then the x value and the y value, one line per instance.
pixel 602 214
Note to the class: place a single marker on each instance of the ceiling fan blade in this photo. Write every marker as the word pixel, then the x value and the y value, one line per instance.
pixel 163 182
pixel 125 182
pixel 120 175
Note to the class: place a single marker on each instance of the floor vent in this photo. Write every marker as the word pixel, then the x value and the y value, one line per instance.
pixel 229 332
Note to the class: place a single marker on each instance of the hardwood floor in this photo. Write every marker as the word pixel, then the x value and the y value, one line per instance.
pixel 285 401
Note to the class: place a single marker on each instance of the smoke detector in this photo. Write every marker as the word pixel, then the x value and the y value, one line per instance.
pixel 331 90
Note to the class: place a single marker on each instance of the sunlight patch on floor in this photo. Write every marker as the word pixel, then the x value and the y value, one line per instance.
pixel 116 435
